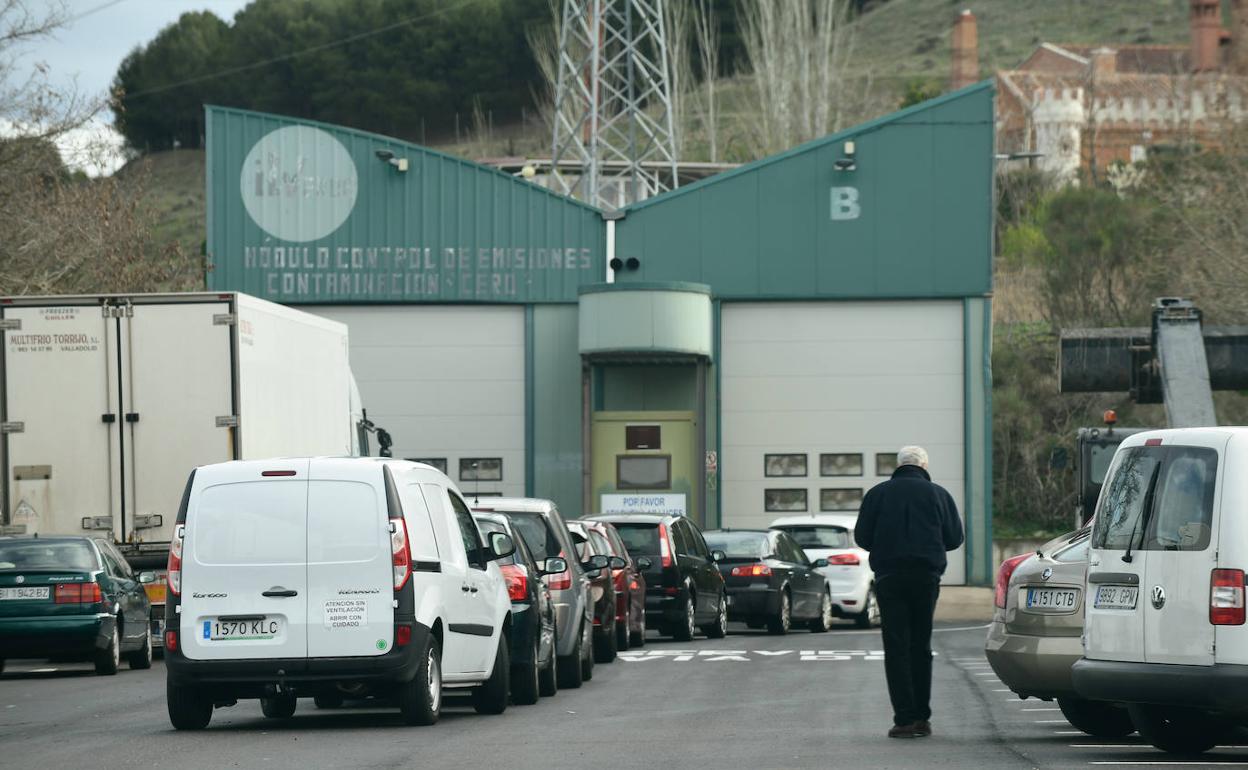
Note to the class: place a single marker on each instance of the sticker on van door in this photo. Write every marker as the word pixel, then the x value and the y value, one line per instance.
pixel 346 613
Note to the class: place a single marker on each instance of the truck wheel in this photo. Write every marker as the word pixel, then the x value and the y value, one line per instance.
pixel 1103 720
pixel 718 629
pixel 108 660
pixel 569 668
pixel 605 646
pixel 683 629
pixel 142 657
pixel 783 620
pixel 420 700
pixel 329 700
pixel 525 687
pixel 279 707
pixel 491 697
pixel 1177 730
pixel 188 709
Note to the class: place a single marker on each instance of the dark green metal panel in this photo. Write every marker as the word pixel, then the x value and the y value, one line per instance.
pixel 305 212
pixel 913 219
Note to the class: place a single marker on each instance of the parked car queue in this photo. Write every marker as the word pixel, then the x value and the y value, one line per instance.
pixel 339 579
pixel 1136 622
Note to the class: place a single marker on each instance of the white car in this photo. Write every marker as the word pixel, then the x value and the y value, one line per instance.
pixel 331 577
pixel 831 536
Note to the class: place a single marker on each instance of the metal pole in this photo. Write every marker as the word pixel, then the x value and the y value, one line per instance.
pixel 699 462
pixel 587 414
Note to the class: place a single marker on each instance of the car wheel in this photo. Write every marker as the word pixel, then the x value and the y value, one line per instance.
pixel 279 707
pixel 870 615
pixel 142 657
pixel 1177 730
pixel 621 634
pixel 570 673
pixel 491 697
pixel 783 620
pixel 329 700
pixel 524 680
pixel 684 629
pixel 108 660
pixel 823 623
pixel 420 700
pixel 547 678
pixel 188 709
pixel 637 638
pixel 587 651
pixel 1103 720
pixel 605 645
pixel 718 629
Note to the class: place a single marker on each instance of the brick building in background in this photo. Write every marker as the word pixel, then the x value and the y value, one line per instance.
pixel 1090 107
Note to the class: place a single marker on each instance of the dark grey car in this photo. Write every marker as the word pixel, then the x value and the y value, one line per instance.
pixel 546 533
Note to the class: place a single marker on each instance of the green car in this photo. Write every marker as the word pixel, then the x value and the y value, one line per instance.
pixel 72 598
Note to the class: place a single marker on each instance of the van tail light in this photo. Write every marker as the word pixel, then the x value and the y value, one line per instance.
pixel 752 570
pixel 665 546
pixel 78 593
pixel 517 578
pixel 1226 597
pixel 174 568
pixel 400 553
pixel 1008 566
pixel 171 641
pixel 844 559
pixel 402 635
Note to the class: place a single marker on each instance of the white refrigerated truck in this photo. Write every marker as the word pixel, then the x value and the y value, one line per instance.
pixel 109 401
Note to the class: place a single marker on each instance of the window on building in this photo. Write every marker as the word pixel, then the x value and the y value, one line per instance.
pixel 436 462
pixel 784 465
pixel 784 500
pixel 643 472
pixel 642 437
pixel 840 464
pixel 885 463
pixel 840 499
pixel 481 469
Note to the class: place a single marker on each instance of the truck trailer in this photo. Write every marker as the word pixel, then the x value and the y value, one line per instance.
pixel 109 401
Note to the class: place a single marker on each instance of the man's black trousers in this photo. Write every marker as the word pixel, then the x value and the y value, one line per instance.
pixel 907 603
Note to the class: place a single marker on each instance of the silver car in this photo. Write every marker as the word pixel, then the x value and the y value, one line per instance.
pixel 1037 628
pixel 546 535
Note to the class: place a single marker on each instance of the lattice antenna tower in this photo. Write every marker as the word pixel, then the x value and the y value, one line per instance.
pixel 613 136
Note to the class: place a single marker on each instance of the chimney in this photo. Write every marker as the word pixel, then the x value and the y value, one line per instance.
pixel 966 51
pixel 1104 62
pixel 1239 37
pixel 1206 34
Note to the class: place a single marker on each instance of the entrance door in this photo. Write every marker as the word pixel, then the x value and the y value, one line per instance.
pixel 644 461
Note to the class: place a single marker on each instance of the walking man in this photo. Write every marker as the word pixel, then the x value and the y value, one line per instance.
pixel 908 523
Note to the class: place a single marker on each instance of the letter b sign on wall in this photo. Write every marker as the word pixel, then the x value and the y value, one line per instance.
pixel 845 203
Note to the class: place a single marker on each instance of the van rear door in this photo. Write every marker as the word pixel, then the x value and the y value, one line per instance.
pixel 244 563
pixel 350 574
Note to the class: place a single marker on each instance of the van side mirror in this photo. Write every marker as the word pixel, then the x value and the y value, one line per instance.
pixel 644 563
pixel 554 565
pixel 616 562
pixel 147 577
pixel 501 545
pixel 718 555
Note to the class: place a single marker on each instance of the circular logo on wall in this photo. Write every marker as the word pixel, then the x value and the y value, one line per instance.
pixel 299 183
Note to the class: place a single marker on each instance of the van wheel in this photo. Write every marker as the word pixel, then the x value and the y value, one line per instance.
pixel 329 700
pixel 823 623
pixel 142 657
pixel 1177 730
pixel 783 620
pixel 605 646
pixel 420 700
pixel 547 678
pixel 587 649
pixel 525 687
pixel 1098 718
pixel 569 668
pixel 108 660
pixel 718 629
pixel 278 707
pixel 188 709
pixel 683 630
pixel 491 697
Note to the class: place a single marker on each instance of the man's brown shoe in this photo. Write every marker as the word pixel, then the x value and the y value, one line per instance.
pixel 922 728
pixel 903 731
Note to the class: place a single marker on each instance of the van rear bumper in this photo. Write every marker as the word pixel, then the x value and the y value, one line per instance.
pixel 1221 687
pixel 253 678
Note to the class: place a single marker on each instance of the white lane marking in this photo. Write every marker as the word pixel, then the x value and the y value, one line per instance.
pixel 1136 745
pixel 43 670
pixel 963 628
pixel 1050 721
pixel 986 673
pixel 1069 732
pixel 1042 709
pixel 1002 689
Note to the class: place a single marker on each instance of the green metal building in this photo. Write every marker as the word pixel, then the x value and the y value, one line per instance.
pixel 756 344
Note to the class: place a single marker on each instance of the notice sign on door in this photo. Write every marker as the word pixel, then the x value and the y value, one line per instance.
pixel 669 505
pixel 346 613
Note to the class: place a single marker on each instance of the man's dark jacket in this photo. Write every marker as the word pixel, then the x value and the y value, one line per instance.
pixel 907 523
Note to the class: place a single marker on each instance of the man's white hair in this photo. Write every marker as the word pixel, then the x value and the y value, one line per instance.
pixel 912 455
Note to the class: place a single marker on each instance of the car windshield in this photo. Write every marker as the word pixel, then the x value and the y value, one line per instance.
pixel 537 535
pixel 739 545
pixel 640 539
pixel 823 536
pixel 20 555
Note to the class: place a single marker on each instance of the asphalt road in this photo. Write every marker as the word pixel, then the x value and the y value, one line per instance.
pixel 749 701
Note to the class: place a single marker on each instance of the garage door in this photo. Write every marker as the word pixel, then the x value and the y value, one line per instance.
pixel 448 383
pixel 818 397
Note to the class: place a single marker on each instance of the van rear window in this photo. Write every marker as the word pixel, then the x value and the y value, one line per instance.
pixel 254 522
pixel 344 522
pixel 1158 499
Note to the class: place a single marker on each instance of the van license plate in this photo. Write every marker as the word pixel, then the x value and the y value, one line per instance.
pixel 1116 597
pixel 1052 598
pixel 26 592
pixel 241 629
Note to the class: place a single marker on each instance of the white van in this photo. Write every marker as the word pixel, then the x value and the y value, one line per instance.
pixel 1165 631
pixel 329 578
